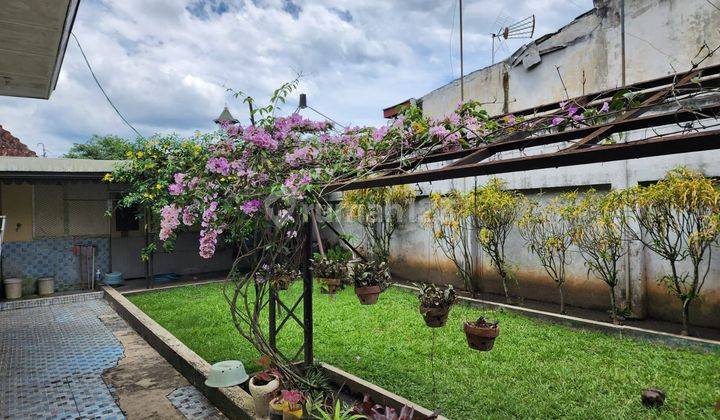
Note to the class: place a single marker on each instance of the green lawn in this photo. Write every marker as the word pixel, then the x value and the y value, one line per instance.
pixel 536 370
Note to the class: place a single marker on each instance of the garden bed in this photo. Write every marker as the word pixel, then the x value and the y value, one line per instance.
pixel 536 369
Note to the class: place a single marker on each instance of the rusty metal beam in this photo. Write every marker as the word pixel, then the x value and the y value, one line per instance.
pixel 681 143
pixel 654 99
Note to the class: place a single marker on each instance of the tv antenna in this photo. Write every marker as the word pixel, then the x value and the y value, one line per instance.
pixel 523 28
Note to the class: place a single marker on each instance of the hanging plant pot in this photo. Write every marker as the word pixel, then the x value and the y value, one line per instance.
pixel 481 334
pixel 435 317
pixel 330 286
pixel 368 295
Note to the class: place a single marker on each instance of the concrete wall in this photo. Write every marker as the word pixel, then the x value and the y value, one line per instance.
pixel 661 35
pixel 661 38
pixel 415 257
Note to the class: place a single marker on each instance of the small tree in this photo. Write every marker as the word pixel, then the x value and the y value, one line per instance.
pixel 108 147
pixel 380 211
pixel 449 220
pixel 678 218
pixel 548 233
pixel 494 211
pixel 597 230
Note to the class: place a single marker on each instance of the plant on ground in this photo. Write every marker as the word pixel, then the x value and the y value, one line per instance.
pixel 449 221
pixel 678 218
pixel 548 230
pixel 597 230
pixel 380 212
pixel 494 212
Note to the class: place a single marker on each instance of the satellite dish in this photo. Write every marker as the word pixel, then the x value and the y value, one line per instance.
pixel 522 29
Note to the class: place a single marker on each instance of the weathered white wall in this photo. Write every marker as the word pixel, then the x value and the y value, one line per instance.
pixel 661 35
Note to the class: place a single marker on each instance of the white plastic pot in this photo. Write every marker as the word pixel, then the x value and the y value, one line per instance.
pixel 262 394
pixel 13 288
pixel 46 286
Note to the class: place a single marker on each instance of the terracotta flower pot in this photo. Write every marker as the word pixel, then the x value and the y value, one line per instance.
pixel 368 295
pixel 331 286
pixel 481 336
pixel 435 317
pixel 262 394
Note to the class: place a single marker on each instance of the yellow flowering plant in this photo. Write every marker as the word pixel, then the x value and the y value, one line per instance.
pixel 448 218
pixel 380 212
pixel 597 230
pixel 548 232
pixel 677 218
pixel 494 211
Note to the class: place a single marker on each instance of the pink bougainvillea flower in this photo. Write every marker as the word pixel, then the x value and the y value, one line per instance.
pixel 380 133
pixel 218 165
pixel 572 110
pixel 169 221
pixel 578 118
pixel 605 107
pixel 438 131
pixel 557 121
pixel 251 206
pixel 176 189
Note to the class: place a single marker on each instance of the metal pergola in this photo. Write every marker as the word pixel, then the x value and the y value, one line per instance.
pixel 678 99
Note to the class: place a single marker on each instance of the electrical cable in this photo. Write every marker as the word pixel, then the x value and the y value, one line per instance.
pixel 87 62
pixel 326 117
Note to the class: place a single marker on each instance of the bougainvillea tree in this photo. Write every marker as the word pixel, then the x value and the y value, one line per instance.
pixel 254 187
pixel 678 218
pixel 494 212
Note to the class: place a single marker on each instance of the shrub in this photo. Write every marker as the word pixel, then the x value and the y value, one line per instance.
pixel 494 211
pixel 678 218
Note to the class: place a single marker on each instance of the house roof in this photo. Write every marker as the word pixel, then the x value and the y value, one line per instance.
pixel 34 36
pixel 12 146
pixel 226 117
pixel 25 168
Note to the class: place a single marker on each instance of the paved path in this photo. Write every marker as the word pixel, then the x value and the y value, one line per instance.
pixel 81 360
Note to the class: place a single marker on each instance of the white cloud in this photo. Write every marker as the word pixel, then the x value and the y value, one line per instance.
pixel 166 64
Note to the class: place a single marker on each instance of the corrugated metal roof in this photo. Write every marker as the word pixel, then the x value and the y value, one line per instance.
pixel 33 167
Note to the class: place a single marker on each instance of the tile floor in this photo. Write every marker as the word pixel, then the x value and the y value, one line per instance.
pixel 51 363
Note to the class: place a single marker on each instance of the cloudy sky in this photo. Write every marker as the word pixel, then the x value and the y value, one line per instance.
pixel 167 64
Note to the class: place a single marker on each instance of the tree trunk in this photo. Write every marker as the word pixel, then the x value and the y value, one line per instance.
pixel 562 299
pixel 685 317
pixel 613 306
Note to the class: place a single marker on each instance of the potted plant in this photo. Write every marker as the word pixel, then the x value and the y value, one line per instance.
pixel 481 334
pixel 329 272
pixel 262 388
pixel 370 278
pixel 280 276
pixel 435 303
pixel 289 403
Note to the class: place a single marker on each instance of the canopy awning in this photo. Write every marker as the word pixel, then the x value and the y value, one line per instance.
pixel 33 38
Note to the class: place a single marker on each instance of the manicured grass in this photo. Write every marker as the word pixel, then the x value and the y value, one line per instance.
pixel 536 370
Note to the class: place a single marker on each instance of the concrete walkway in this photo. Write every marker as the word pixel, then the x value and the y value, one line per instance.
pixel 81 360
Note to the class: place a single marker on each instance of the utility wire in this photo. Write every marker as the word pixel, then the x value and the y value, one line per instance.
pixel 122 117
pixel 452 33
pixel 325 116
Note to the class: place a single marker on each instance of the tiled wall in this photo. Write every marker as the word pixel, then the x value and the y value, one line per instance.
pixel 53 257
